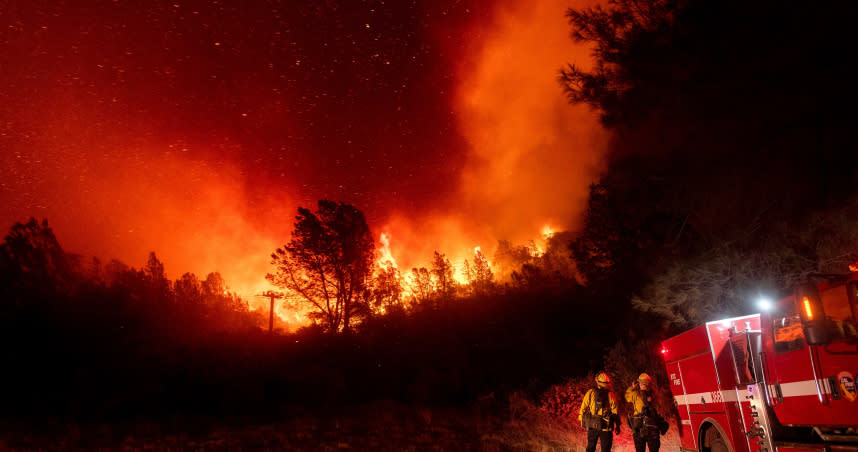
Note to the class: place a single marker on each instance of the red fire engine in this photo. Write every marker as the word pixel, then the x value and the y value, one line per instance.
pixel 775 381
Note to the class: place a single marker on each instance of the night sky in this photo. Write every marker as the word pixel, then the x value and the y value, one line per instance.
pixel 195 128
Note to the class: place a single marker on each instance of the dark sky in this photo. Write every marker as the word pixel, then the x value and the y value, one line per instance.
pixel 194 128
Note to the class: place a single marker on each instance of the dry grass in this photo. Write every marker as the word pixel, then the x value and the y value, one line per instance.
pixel 551 424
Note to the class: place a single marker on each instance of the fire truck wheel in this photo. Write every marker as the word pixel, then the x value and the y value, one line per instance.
pixel 715 441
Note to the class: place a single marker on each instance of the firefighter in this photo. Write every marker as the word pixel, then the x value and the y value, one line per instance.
pixel 598 414
pixel 646 424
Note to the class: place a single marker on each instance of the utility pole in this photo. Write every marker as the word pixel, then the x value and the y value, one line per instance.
pixel 272 295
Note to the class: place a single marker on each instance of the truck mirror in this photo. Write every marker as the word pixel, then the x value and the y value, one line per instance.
pixel 817 332
pixel 813 321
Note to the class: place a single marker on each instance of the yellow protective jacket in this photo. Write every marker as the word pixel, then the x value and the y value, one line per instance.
pixel 589 404
pixel 636 398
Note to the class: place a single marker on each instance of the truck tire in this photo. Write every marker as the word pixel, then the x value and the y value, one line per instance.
pixel 718 444
pixel 713 441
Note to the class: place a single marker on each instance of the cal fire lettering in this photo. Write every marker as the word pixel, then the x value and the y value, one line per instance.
pixel 847 385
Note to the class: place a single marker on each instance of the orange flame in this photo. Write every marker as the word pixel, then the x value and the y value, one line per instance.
pixel 385 256
pixel 531 158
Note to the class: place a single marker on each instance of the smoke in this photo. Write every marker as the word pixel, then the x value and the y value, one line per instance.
pixel 118 180
pixel 531 156
pixel 197 216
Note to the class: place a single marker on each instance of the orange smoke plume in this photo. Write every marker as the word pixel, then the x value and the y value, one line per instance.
pixel 531 156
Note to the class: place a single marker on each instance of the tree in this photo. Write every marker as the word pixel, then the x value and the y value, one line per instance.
pixel 442 272
pixel 327 263
pixel 557 261
pixel 159 285
pixel 625 231
pixel 706 150
pixel 421 285
pixel 623 35
pixel 726 280
pixel 479 274
pixel 387 289
pixel 508 257
pixel 31 258
pixel 189 292
pixel 213 285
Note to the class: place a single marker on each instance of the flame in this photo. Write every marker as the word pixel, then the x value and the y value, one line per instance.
pixel 385 256
pixel 547 232
pixel 530 159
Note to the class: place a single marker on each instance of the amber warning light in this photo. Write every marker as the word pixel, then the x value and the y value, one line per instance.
pixel 808 310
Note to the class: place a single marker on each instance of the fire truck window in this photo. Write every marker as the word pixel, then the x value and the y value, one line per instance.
pixel 837 309
pixel 788 333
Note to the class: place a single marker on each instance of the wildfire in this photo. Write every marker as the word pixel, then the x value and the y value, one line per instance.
pixel 547 232
pixel 385 256
pixel 195 205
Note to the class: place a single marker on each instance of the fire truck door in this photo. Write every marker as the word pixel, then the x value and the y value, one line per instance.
pixel 686 433
pixel 815 385
pixel 749 378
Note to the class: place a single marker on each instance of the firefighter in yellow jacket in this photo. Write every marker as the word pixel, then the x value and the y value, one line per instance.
pixel 646 423
pixel 598 414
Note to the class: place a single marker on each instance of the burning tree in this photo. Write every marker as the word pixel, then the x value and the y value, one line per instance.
pixel 421 285
pixel 328 263
pixel 479 274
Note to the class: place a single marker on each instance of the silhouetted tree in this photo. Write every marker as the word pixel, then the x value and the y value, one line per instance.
pixel 160 288
pixel 442 273
pixel 529 277
pixel 727 280
pixel 213 285
pixel 623 34
pixel 421 286
pixel 387 289
pixel 189 292
pixel 113 270
pixel 612 240
pixel 718 187
pixel 479 274
pixel 32 259
pixel 327 263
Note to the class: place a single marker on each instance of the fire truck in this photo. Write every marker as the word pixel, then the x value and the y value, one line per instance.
pixel 779 380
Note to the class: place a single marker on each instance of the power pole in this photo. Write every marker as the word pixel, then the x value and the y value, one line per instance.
pixel 272 295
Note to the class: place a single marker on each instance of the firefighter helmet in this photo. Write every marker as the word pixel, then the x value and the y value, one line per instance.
pixel 644 380
pixel 603 380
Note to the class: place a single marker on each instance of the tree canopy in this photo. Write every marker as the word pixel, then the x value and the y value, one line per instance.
pixel 328 264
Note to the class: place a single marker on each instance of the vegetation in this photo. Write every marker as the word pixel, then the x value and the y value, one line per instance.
pixel 731 173
pixel 328 264
pixel 110 342
pixel 732 166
